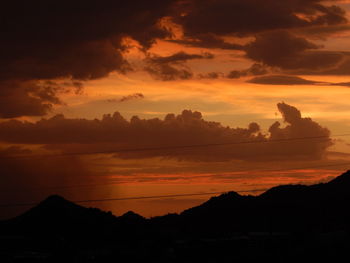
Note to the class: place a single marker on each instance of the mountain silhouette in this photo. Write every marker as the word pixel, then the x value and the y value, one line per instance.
pixel 58 211
pixel 132 217
pixel 288 208
pixel 281 208
pixel 288 217
pixel 56 218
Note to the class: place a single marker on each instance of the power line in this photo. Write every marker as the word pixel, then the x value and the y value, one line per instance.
pixel 179 147
pixel 116 183
pixel 176 195
pixel 134 198
pixel 301 167
pixel 175 147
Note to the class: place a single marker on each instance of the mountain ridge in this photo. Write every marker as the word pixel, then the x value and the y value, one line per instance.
pixel 227 211
pixel 289 222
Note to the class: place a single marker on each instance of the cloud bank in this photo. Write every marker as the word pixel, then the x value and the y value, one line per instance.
pixel 113 133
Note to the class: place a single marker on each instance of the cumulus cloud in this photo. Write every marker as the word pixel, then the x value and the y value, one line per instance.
pixel 299 127
pixel 113 132
pixel 39 176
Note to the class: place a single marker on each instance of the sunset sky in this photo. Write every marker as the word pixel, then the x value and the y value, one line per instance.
pixel 88 87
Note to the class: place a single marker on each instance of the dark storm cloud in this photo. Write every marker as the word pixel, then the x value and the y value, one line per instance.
pixel 271 22
pixel 173 67
pixel 224 17
pixel 208 40
pixel 83 40
pixel 80 40
pixel 31 98
pixel 113 132
pixel 286 51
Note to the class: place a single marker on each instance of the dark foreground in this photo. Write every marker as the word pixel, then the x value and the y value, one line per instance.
pixel 284 224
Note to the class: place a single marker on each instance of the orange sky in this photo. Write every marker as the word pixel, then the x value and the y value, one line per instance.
pixel 232 67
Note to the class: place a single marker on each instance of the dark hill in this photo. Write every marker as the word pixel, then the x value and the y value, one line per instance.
pixel 132 216
pixel 56 209
pixel 55 212
pixel 296 219
pixel 283 208
pixel 288 208
pixel 56 219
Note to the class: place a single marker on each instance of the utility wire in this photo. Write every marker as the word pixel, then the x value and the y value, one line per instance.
pixel 178 147
pixel 134 198
pixel 300 167
pixel 174 195
pixel 116 183
pixel 174 147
